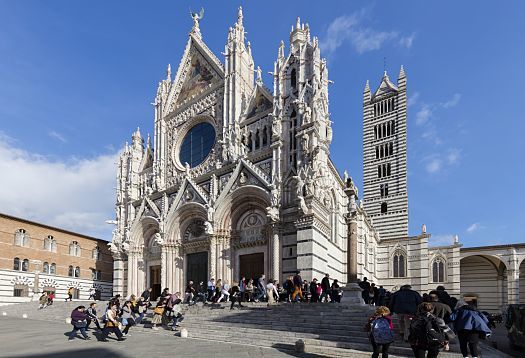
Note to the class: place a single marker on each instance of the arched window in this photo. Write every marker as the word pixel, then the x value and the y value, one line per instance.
pixel 25 265
pixel 384 208
pixel 53 269
pixel 393 127
pixel 391 149
pixel 388 170
pixel 96 253
pixel 264 138
pixel 375 132
pixel 16 264
pixel 50 244
pixel 293 139
pixel 45 267
pixel 293 79
pixel 70 271
pixel 21 238
pixel 20 290
pixel 438 270
pixel 399 264
pixel 379 171
pixel 77 271
pixel 377 152
pixel 74 249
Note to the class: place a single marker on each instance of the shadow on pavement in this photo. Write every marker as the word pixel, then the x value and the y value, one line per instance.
pixel 81 353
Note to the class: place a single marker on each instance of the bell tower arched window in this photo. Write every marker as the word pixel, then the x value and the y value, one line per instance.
pixel 293 79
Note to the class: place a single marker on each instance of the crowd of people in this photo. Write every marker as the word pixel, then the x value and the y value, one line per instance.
pixel 428 323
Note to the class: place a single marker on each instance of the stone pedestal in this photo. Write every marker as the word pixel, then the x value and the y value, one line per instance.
pixel 352 295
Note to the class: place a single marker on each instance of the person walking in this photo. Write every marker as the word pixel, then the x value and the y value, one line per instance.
pixel 140 309
pixel 325 286
pixel 50 298
pixel 91 313
pixel 381 296
pixel 127 317
pixel 111 324
pixel 157 314
pixel 42 301
pixel 314 296
pixel 404 304
pixel 70 294
pixel 79 322
pixel 288 286
pixel 469 324
pixel 189 293
pixel 380 331
pixel 441 310
pixel 211 289
pixel 248 291
pixel 92 293
pixel 297 283
pixel 271 291
pixel 426 335
pixel 225 292
pixel 261 286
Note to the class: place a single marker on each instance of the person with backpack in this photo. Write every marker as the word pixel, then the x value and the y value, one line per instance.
pixel 380 331
pixel 404 304
pixel 469 324
pixel 426 333
pixel 288 286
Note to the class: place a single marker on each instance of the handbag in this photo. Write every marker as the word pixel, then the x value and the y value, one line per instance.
pixel 124 321
pixel 158 310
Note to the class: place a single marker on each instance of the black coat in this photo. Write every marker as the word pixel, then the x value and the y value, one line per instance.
pixel 405 301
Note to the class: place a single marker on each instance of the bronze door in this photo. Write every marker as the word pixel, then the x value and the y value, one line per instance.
pixel 197 268
pixel 251 266
pixel 154 282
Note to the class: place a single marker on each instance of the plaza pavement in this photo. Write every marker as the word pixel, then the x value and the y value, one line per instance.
pixel 30 338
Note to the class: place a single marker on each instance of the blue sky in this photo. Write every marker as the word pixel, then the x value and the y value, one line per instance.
pixel 76 78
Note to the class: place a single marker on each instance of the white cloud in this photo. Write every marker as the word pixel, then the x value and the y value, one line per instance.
pixel 473 228
pixel 57 136
pixel 453 156
pixel 77 194
pixel 412 100
pixel 363 39
pixel 452 102
pixel 407 41
pixel 441 240
pixel 434 165
pixel 423 115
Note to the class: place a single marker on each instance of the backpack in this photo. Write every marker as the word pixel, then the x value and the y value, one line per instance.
pixel 425 332
pixel 381 332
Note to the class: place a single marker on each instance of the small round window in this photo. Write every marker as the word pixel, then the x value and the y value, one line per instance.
pixel 197 144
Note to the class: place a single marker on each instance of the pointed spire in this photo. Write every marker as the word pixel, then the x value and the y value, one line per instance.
pixel 298 24
pixel 402 72
pixel 239 16
pixel 259 76
pixel 148 142
pixel 249 48
pixel 281 50
pixel 367 86
pixel 168 72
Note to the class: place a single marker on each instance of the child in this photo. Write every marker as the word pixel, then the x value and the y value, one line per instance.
pixel 157 314
pixel 381 331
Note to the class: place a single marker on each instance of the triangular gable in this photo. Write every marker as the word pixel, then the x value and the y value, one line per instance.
pixel 147 160
pixel 386 86
pixel 260 101
pixel 245 173
pixel 198 69
pixel 188 192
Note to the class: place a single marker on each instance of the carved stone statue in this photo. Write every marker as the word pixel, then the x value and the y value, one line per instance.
pixel 273 213
pixel 208 227
pixel 158 239
pixel 424 229
pixel 196 17
pixel 243 179
pixel 307 116
pixel 210 210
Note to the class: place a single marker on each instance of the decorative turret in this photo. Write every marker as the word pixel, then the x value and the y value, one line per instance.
pixel 299 35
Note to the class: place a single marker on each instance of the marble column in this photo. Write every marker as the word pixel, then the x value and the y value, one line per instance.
pixel 276 246
pixel 132 273
pixel 213 257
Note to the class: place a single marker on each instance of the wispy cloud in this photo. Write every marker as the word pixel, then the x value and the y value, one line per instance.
pixel 407 41
pixel 350 28
pixel 473 228
pixel 453 156
pixel 75 194
pixel 441 240
pixel 57 136
pixel 434 165
pixel 412 100
pixel 423 115
pixel 452 102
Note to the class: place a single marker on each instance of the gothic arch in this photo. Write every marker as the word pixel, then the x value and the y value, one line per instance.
pixel 438 268
pixel 141 229
pixel 180 219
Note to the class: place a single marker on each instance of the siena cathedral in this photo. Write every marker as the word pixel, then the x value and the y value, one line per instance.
pixel 238 179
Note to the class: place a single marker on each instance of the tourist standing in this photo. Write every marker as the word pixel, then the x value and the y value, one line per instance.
pixel 426 335
pixel 297 283
pixel 249 290
pixel 469 324
pixel 335 292
pixel 69 294
pixel 127 317
pixel 404 304
pixel 211 289
pixel 157 314
pixel 381 295
pixel 288 286
pixel 189 293
pixel 365 286
pixel 91 313
pixel 271 290
pixel 381 331
pixel 42 301
pixel 314 296
pixel 111 324
pixel 141 309
pixel 441 310
pixel 325 286
pixel 79 322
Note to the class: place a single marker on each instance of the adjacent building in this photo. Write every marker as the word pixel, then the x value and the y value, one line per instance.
pixel 35 258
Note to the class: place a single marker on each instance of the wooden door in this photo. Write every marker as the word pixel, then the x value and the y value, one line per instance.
pixel 251 266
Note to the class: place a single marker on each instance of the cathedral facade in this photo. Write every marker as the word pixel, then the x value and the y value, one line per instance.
pixel 238 181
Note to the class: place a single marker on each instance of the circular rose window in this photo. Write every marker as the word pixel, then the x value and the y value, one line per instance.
pixel 197 144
